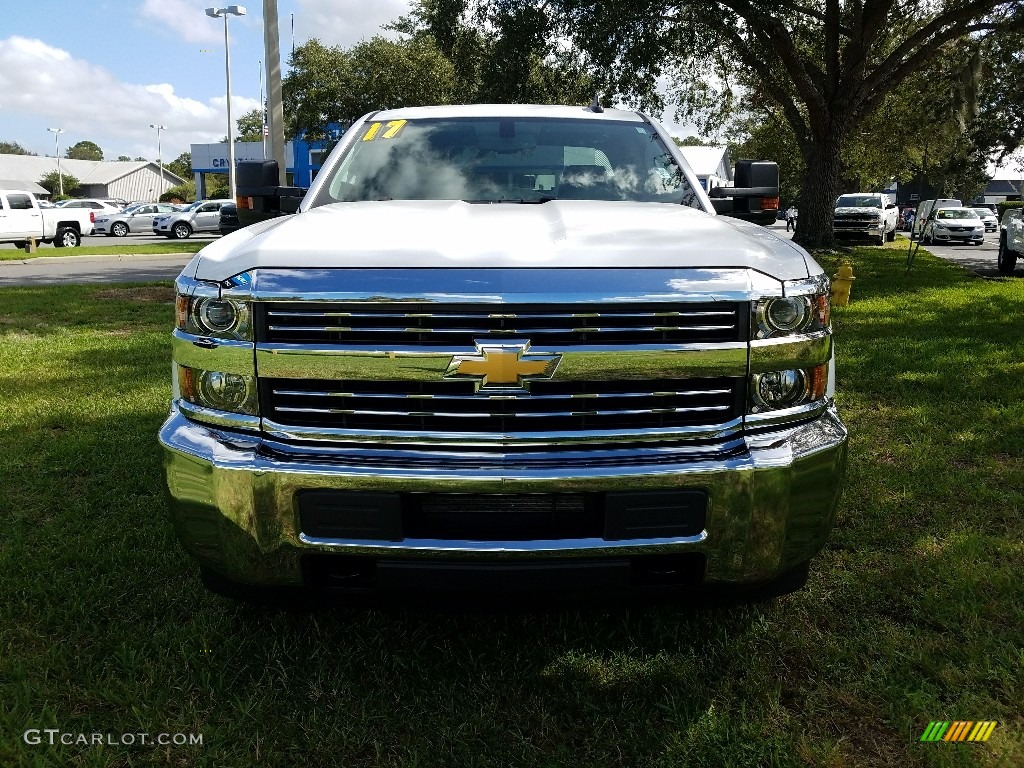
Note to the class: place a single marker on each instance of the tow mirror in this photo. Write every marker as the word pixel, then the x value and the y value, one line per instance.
pixel 259 197
pixel 756 194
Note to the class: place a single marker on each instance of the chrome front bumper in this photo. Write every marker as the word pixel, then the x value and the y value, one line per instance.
pixel 771 503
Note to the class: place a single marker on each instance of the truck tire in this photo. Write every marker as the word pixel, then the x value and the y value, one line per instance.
pixel 119 229
pixel 20 244
pixel 881 238
pixel 891 236
pixel 181 231
pixel 1006 259
pixel 67 238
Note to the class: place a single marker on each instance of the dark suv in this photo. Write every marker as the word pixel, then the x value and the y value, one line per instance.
pixel 229 218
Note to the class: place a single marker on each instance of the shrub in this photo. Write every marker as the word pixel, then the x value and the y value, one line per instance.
pixel 1004 206
pixel 185 193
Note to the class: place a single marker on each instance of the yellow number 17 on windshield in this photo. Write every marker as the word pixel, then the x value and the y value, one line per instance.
pixel 391 129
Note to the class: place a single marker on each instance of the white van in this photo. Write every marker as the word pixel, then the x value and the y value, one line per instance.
pixel 926 210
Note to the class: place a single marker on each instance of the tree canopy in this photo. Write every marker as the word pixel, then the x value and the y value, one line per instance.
pixel 13 148
pixel 250 126
pixel 52 182
pixel 447 55
pixel 84 150
pixel 181 165
pixel 821 67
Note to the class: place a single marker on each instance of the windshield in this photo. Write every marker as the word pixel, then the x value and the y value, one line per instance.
pixel 500 159
pixel 983 212
pixel 956 213
pixel 859 201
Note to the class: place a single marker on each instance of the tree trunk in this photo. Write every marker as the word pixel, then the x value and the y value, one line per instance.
pixel 820 188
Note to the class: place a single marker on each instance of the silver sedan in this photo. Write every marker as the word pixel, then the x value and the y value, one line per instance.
pixel 134 218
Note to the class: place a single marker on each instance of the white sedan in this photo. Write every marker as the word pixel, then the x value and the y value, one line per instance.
pixel 956 225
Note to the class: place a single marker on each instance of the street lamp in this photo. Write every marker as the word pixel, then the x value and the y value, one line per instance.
pixel 231 10
pixel 159 153
pixel 56 143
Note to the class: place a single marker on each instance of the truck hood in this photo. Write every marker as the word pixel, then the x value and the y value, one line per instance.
pixel 560 233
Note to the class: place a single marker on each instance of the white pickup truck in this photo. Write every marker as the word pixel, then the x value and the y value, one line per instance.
pixel 865 214
pixel 21 219
pixel 502 348
pixel 1011 240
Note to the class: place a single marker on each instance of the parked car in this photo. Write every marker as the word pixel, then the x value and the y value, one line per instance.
pixel 954 225
pixel 506 347
pixel 988 218
pixel 23 219
pixel 1011 240
pixel 229 219
pixel 201 216
pixel 95 204
pixel 134 218
pixel 926 210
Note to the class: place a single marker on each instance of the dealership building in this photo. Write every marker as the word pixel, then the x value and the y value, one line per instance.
pixel 302 159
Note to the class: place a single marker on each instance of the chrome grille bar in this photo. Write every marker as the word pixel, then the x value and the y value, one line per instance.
pixel 405 323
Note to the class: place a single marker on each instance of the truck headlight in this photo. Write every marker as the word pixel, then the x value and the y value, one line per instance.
pixel 774 390
pixel 220 391
pixel 785 315
pixel 215 317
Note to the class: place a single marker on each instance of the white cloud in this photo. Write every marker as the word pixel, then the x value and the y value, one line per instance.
pixel 186 17
pixel 89 102
pixel 340 22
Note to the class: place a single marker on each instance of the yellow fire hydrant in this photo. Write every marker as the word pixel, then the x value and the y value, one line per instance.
pixel 842 282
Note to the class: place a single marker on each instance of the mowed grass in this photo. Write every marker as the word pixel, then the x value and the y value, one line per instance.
pixel 172 246
pixel 913 613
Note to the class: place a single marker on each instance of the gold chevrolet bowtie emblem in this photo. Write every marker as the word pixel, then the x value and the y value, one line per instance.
pixel 502 366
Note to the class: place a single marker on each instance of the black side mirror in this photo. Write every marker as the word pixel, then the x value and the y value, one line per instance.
pixel 756 194
pixel 259 197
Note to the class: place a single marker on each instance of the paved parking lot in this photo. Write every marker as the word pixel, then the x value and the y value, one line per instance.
pixel 977 258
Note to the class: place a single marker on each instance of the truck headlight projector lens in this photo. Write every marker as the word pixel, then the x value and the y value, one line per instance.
pixel 215 315
pixel 786 314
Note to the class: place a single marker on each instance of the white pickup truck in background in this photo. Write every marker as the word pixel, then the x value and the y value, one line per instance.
pixel 865 215
pixel 21 219
pixel 1011 240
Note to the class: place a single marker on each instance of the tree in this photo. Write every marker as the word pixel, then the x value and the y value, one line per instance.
pixel 181 165
pixel 52 183
pixel 123 158
pixel 691 141
pixel 335 86
pixel 250 126
pixel 447 55
pixel 823 66
pixel 13 148
pixel 84 150
pixel 181 193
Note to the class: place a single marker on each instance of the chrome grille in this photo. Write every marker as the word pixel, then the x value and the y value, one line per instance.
pixel 405 324
pixel 447 407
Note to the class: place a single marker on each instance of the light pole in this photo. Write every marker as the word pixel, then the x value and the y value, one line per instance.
pixel 56 144
pixel 263 113
pixel 159 155
pixel 231 10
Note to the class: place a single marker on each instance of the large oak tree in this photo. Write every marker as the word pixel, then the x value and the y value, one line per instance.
pixel 822 66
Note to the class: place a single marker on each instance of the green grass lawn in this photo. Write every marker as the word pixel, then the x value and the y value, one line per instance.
pixel 914 612
pixel 171 246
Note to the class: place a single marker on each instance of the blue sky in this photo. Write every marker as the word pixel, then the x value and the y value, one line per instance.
pixel 104 70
